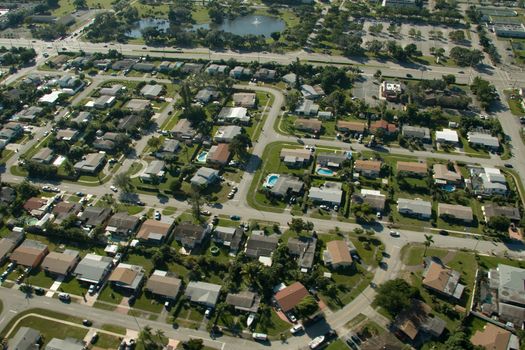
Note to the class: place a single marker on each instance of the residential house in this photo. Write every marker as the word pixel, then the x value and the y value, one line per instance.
pixel 307 108
pixel 29 254
pixel 128 277
pixel 447 136
pixel 28 114
pixel 308 125
pixel 290 79
pixel 93 268
pixel 244 301
pixel 94 216
pixel 346 126
pixel 219 155
pixel 9 243
pixel 107 142
pixel 191 68
pixel 455 212
pixel 483 139
pixel 154 232
pixel 191 235
pixel 82 118
pixel 65 344
pixel 265 74
pixel 36 206
pixel 443 174
pixel 122 224
pixel 137 105
pixel 441 279
pixel 163 284
pixel 287 185
pixel 25 339
pixel 169 148
pixel 417 321
pixel 7 195
pixel 373 198
pixel 417 132
pixel 244 99
pixel 155 171
pixel 330 194
pixel 418 169
pixel 414 207
pixel 325 115
pixel 312 92
pixel 152 91
pixel 296 157
pixel 205 177
pixel 183 130
pixel 488 182
pixel 129 123
pixel 203 293
pixel 67 134
pixel 11 131
pixel 61 263
pixel 491 210
pixel 124 65
pixel 337 254
pixel 261 246
pixel 240 72
pixel 506 284
pixel 113 90
pixel 43 156
pixel 104 101
pixel 144 67
pixel 304 250
pixel 231 237
pixel 91 163
pixel 386 127
pixel 289 297
pixel 217 69
pixel 330 159
pixel 63 210
pixel 492 337
pixel 233 115
pixel 227 133
pixel 206 95
pixel 368 168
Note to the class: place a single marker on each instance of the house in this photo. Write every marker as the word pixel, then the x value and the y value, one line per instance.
pixel 93 268
pixel 107 142
pixel 307 108
pixel 287 185
pixel 37 207
pixel 265 74
pixel 233 115
pixel 312 92
pixel 445 174
pixel 169 148
pixel 482 139
pixel 337 254
pixel 419 320
pixel 229 237
pixel 390 90
pixel 244 301
pixel 124 65
pixel 419 169
pixel 28 114
pixel 43 156
pixel 447 136
pixel 11 131
pixel 129 123
pixel 9 243
pixel 304 250
pixel 416 132
pixel 203 293
pixel 345 126
pixel 219 155
pixel 183 130
pixel 441 279
pixel 325 115
pixel 191 68
pixel 217 69
pixel 507 283
pixel 330 194
pixel 244 99
pixel 114 90
pixel 290 78
pixel 154 232
pixel 227 133
pixel 91 163
pixel 289 297
pixel 63 210
pixel 414 207
pixel 82 118
pixel 368 168
pixel 456 212
pixel 491 210
pixel 104 101
pixel 373 198
pixel 67 134
pixel 137 105
pixel 151 91
pixel 330 159
pixel 65 344
pixel 29 254
pixel 261 246
pixel 25 339
pixel 206 95
pixel 127 276
pixel 144 67
pixel 154 171
pixel 308 125
pixel 190 235
pixel 163 284
pixel 295 157
pixel 61 263
pixel 205 177
pixel 94 216
pixel 386 127
pixel 7 195
pixel 488 182
pixel 493 337
pixel 240 72
pixel 122 224
pixel 102 63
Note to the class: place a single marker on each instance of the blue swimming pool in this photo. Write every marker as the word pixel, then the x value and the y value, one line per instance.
pixel 271 180
pixel 448 188
pixel 201 158
pixel 325 172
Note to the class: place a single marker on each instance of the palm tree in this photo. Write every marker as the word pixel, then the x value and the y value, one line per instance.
pixel 429 240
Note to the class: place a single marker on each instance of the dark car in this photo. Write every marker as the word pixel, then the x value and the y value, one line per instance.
pixel 235 217
pixel 409 75
pixel 140 203
pixel 331 334
pixel 87 323
pixel 508 165
pixel 40 291
pixel 443 232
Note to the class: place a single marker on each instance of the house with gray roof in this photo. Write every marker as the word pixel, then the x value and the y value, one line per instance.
pixel 287 185
pixel 91 163
pixel 206 95
pixel 127 276
pixel 169 148
pixel 25 339
pixel 44 156
pixel 113 90
pixel 137 104
pixel 104 101
pixel 414 207
pixel 508 282
pixel 152 91
pixel 65 344
pixel 154 171
pixel 330 159
pixel 226 133
pixel 122 224
pixel 94 216
pixel 203 293
pixel 93 268
pixel 307 108
pixel 261 245
pixel 228 237
pixel 190 235
pixel 244 301
pixel 416 132
pixel 183 130
pixel 205 177
pixel 83 117
pixel 304 250
pixel 330 194
pixel 163 284
pixel 491 210
pixel 144 67
pixel 455 212
pixel 483 139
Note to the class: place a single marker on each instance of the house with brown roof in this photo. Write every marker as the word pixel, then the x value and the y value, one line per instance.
pixel 244 301
pixel 163 284
pixel 346 126
pixel 9 243
pixel 308 125
pixel 63 210
pixel 386 127
pixel 29 254
pixel 127 276
pixel 154 232
pixel 418 320
pixel 122 224
pixel 441 279
pixel 455 212
pixel 218 155
pixel 493 337
pixel 444 174
pixel 61 264
pixel 36 206
pixel 368 168
pixel 337 254
pixel 412 168
pixel 289 297
pixel 244 99
pixel 94 216
pixel 191 235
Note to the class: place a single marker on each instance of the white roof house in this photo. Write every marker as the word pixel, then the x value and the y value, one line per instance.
pixel 231 114
pixel 50 98
pixel 483 139
pixel 415 207
pixel 227 133
pixel 330 193
pixel 203 293
pixel 447 136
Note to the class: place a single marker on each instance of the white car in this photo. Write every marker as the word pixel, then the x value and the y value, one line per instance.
pixel 64 296
pixel 157 215
pixel 296 329
pixel 394 233
pixel 113 188
pixel 92 289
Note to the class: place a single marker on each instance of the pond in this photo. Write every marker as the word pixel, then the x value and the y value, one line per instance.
pixel 160 24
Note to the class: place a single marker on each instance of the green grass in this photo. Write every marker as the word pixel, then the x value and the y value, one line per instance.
pixel 134 168
pixel 515 107
pixel 130 209
pixel 350 283
pixel 114 328
pixel 413 255
pixel 148 303
pixel 200 15
pixel 50 329
pixel 272 325
pixel 337 345
pixel 103 306
pixel 169 211
pixel 38 277
pixel 106 341
pixel 110 295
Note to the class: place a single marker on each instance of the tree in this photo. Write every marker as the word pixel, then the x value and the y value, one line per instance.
pixel 154 143
pixel 239 144
pixel 80 4
pixel 276 36
pixel 297 225
pixel 429 240
pixel 292 98
pixel 185 94
pixel 499 223
pixel 196 201
pixel 374 46
pixel 376 28
pixel 307 307
pixel 193 344
pixel 484 91
pixel 175 185
pixel 449 79
pixel 122 181
pixel 395 296
pixel 149 340
pixel 196 115
pixel 465 57
pixel 457 36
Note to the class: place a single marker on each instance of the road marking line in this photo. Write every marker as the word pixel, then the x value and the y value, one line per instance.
pixel 13 311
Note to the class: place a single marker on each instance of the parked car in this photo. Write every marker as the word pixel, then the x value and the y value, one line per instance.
pixel 205 212
pixel 157 215
pixel 64 297
pixel 291 317
pixel 394 233
pixel 235 217
pixel 87 323
pixel 296 329
pixel 39 291
pixel 260 336
pixel 113 188
pixel 207 313
pixel 140 203
pixel 92 289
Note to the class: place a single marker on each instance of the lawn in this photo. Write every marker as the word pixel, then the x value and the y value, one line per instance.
pixel 130 209
pixel 515 107
pixel 349 284
pixel 106 341
pixel 114 329
pixel 140 260
pixel 110 295
pixel 271 324
pixel 50 329
pixel 38 277
pixel 148 303
pixel 337 345
pixel 413 255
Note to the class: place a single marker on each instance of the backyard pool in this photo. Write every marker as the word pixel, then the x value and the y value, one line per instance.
pixel 325 172
pixel 271 180
pixel 448 188
pixel 201 158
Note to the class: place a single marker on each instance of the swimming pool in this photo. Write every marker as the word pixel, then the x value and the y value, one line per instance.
pixel 448 188
pixel 271 180
pixel 201 158
pixel 325 172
